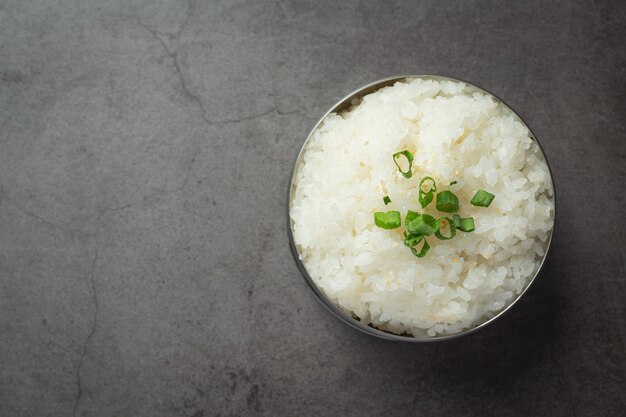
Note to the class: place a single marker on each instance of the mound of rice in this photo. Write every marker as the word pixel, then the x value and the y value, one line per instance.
pixel 456 133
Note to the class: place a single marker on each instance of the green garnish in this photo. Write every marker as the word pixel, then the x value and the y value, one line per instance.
pixel 442 222
pixel 410 215
pixel 419 226
pixel 426 197
pixel 467 225
pixel 456 219
pixel 422 224
pixel 423 252
pixel 447 202
pixel 409 157
pixel 431 187
pixel 412 240
pixel 463 224
pixel 387 220
pixel 482 198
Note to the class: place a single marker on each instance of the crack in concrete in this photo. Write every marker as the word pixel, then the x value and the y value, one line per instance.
pixel 173 55
pixel 92 278
pixel 92 331
pixel 36 216
pixel 273 110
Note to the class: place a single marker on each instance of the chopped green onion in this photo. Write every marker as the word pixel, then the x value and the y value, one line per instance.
pixel 426 197
pixel 431 188
pixel 453 182
pixel 409 157
pixel 410 215
pixel 386 200
pixel 467 225
pixel 423 251
pixel 423 224
pixel 441 222
pixel 463 224
pixel 482 198
pixel 387 220
pixel 456 219
pixel 447 202
pixel 412 239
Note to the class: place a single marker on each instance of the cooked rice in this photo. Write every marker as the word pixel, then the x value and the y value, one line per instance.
pixel 456 133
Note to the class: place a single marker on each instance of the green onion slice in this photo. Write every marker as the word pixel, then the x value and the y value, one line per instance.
pixel 447 202
pixel 387 220
pixel 431 187
pixel 386 200
pixel 463 224
pixel 412 239
pixel 482 198
pixel 423 224
pixel 456 219
pixel 409 157
pixel 410 215
pixel 467 225
pixel 441 222
pixel 426 197
pixel 423 251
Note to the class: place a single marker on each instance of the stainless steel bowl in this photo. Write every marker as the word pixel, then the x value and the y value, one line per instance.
pixel 344 316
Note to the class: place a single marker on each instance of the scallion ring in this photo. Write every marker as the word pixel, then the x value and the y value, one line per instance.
pixel 426 197
pixel 482 198
pixel 456 219
pixel 442 222
pixel 431 188
pixel 388 220
pixel 410 215
pixel 423 224
pixel 467 225
pixel 447 202
pixel 412 239
pixel 409 157
pixel 423 251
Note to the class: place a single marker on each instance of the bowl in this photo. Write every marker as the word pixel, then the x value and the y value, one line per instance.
pixel 352 321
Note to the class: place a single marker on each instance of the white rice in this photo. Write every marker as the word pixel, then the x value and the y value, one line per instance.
pixel 455 134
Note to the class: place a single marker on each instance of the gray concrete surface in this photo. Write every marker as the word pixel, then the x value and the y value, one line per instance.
pixel 145 148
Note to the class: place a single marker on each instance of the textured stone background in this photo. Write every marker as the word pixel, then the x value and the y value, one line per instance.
pixel 145 148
